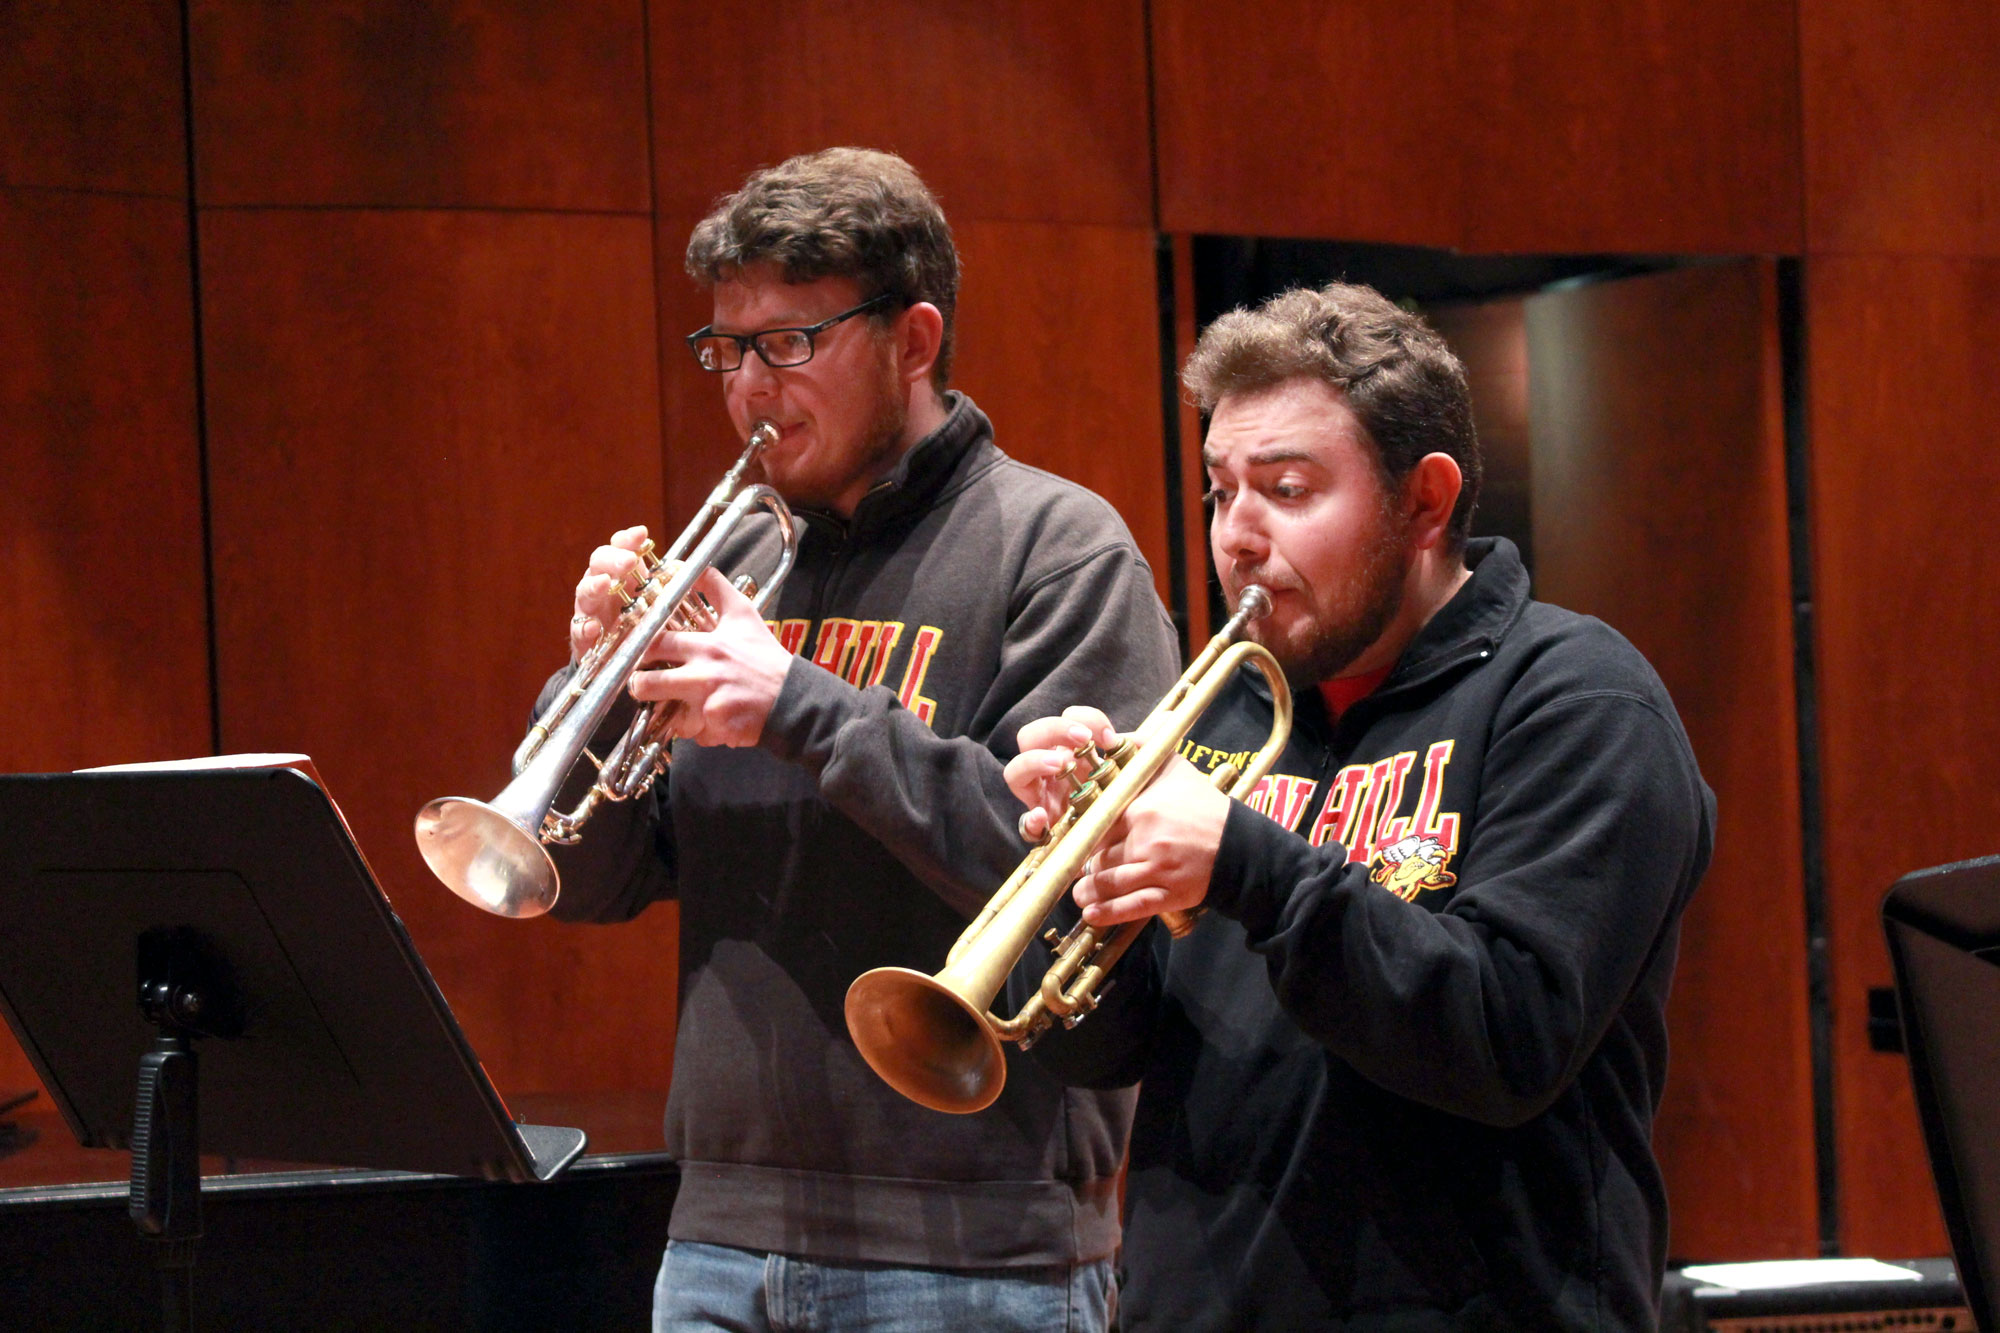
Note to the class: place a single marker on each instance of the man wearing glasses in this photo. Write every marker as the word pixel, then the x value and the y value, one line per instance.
pixel 837 801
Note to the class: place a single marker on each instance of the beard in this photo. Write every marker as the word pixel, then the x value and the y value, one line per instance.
pixel 869 455
pixel 1325 644
pixel 882 437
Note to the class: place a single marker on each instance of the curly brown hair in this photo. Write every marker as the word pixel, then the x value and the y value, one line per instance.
pixel 1402 383
pixel 838 213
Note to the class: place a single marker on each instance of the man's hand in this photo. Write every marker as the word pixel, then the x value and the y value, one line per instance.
pixel 1160 855
pixel 1047 746
pixel 725 679
pixel 597 603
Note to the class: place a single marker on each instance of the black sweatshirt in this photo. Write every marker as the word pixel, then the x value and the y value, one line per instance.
pixel 968 595
pixel 1411 1085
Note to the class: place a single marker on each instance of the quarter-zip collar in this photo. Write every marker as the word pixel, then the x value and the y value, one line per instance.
pixel 932 467
pixel 1470 625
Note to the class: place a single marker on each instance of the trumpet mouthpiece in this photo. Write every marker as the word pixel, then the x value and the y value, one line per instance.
pixel 1254 603
pixel 763 434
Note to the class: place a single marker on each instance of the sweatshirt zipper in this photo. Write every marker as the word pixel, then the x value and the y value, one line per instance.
pixel 1429 674
pixel 837 559
pixel 1333 753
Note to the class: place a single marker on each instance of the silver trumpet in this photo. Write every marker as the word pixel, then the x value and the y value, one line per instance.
pixel 490 853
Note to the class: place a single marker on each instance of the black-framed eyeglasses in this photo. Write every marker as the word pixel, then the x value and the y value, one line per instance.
pixel 779 348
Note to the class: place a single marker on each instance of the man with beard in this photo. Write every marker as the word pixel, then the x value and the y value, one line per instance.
pixel 836 801
pixel 1402 1074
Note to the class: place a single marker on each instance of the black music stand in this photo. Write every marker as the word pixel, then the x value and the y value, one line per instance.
pixel 150 917
pixel 1943 926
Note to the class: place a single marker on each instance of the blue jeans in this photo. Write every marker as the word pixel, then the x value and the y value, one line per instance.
pixel 714 1287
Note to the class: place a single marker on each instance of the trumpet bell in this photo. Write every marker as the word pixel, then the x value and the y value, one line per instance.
pixel 925 1040
pixel 486 858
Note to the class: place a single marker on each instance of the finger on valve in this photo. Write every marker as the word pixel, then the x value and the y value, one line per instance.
pixel 584 633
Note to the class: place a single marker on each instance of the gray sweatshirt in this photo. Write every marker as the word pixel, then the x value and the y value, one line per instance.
pixel 968 595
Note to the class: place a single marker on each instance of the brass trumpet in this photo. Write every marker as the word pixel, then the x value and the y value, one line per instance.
pixel 490 853
pixel 933 1039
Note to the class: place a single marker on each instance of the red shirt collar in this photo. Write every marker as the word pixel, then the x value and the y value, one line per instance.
pixel 1343 692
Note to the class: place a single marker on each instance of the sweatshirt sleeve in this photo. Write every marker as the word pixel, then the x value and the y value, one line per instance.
pixel 1090 632
pixel 1593 827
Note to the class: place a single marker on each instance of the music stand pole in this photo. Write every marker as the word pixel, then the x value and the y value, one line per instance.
pixel 185 992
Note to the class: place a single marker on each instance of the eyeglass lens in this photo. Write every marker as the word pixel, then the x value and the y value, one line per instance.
pixel 778 347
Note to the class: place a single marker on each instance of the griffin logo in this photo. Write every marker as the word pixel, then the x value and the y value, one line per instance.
pixel 1411 865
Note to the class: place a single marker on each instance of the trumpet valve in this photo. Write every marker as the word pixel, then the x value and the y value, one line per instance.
pixel 696 613
pixel 1022 826
pixel 1088 773
pixel 1070 996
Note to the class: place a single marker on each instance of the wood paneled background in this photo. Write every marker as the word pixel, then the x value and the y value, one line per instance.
pixel 1663 512
pixel 337 334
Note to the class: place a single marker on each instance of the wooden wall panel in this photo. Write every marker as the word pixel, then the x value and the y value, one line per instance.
pixel 1197 568
pixel 1304 118
pixel 91 96
pixel 1904 354
pixel 1902 112
pixel 497 103
pixel 100 515
pixel 1668 127
pixel 1058 342
pixel 1526 125
pixel 697 441
pixel 102 607
pixel 420 424
pixel 1022 110
pixel 1662 510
